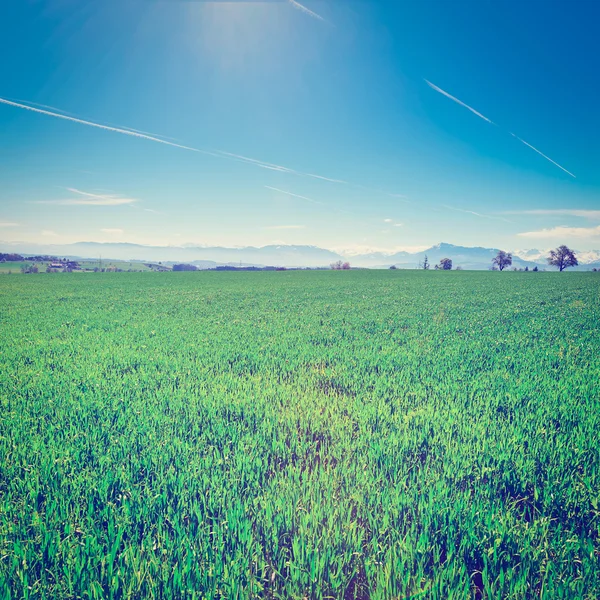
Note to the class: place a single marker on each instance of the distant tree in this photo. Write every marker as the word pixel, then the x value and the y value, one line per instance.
pixel 562 257
pixel 445 264
pixel 459 268
pixel 29 269
pixel 337 265
pixel 394 267
pixel 527 268
pixel 535 269
pixel 346 266
pixel 185 268
pixel 502 260
pixel 594 270
pixel 426 263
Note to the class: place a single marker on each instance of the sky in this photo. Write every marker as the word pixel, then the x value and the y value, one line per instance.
pixel 354 125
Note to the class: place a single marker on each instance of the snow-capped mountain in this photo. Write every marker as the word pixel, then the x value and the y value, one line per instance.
pixel 585 257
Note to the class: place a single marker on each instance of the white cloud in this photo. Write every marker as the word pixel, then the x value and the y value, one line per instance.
pixel 8 224
pixel 542 154
pixel 398 224
pixel 306 10
pixel 387 220
pixel 562 232
pixel 89 199
pixel 112 231
pixel 441 91
pixel 593 215
pixel 49 233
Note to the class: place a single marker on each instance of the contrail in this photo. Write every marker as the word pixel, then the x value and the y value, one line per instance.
pixel 306 10
pixel 335 208
pixel 441 91
pixel 217 153
pixel 542 154
pixel 105 127
pixel 294 195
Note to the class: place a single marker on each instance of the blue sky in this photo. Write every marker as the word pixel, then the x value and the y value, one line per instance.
pixel 349 125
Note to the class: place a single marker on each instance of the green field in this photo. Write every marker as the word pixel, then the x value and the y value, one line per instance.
pixel 290 435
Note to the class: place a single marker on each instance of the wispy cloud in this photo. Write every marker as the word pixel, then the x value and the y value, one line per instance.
pixel 542 154
pixel 477 214
pixel 89 199
pixel 112 231
pixel 49 233
pixel 569 212
pixel 151 210
pixel 387 220
pixel 8 224
pixel 398 224
pixel 286 227
pixel 305 10
pixel 563 232
pixel 454 99
pixel 214 153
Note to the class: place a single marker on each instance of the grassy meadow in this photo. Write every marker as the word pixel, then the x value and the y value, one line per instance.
pixel 299 435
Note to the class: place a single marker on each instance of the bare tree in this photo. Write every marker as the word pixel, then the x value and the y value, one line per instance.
pixel 426 263
pixel 562 258
pixel 502 260
pixel 445 264
pixel 337 265
pixel 346 266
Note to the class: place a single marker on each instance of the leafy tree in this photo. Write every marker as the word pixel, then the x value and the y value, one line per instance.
pixel 502 260
pixel 562 258
pixel 395 267
pixel 340 266
pixel 535 269
pixel 445 264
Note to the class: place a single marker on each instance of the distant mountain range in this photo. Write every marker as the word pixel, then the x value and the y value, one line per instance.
pixel 291 256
